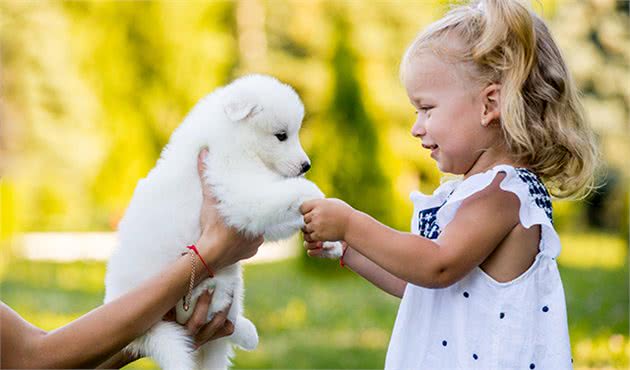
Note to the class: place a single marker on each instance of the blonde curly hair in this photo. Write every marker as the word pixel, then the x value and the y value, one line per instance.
pixel 542 118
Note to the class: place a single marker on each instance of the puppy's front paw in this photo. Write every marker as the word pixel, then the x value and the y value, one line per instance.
pixel 307 190
pixel 332 250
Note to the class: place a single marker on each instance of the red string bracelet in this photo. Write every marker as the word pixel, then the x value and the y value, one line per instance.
pixel 341 263
pixel 193 248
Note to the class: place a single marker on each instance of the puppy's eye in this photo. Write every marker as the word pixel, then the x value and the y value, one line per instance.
pixel 282 136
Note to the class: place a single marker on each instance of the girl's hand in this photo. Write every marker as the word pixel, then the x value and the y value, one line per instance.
pixel 198 328
pixel 220 244
pixel 325 219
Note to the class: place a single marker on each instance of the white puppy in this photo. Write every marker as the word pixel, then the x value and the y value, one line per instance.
pixel 255 169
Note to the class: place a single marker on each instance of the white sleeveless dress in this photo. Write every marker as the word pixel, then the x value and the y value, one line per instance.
pixel 479 323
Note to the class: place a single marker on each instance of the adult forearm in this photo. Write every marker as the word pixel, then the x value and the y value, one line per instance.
pixel 409 257
pixel 118 322
pixel 117 361
pixel 374 273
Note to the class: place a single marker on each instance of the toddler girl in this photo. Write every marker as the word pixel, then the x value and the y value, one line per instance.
pixel 477 275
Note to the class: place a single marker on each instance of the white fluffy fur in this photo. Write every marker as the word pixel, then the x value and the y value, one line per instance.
pixel 258 182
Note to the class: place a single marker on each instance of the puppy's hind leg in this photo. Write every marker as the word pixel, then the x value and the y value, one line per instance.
pixel 168 344
pixel 245 334
pixel 216 354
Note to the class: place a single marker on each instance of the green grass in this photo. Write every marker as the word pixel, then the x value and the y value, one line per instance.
pixel 313 317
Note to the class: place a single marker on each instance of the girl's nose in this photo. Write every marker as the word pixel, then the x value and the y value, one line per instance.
pixel 418 129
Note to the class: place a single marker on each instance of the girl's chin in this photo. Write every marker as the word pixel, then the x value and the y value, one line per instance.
pixel 444 167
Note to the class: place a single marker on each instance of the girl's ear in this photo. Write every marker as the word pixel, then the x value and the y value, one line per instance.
pixel 491 99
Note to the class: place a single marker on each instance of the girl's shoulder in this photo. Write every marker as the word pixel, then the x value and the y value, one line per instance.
pixel 534 206
pixel 524 183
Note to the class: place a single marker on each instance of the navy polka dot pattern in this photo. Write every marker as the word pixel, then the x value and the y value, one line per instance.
pixel 532 366
pixel 545 309
pixel 537 190
pixel 475 356
pixel 501 315
pixel 444 343
pixel 466 294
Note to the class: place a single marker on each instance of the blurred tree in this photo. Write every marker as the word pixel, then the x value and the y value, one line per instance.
pixel 47 121
pixel 92 90
pixel 594 36
pixel 355 170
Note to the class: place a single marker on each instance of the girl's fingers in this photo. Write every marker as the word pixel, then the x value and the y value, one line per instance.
pixel 307 229
pixel 313 245
pixel 315 252
pixel 307 206
pixel 199 315
pixel 307 237
pixel 308 218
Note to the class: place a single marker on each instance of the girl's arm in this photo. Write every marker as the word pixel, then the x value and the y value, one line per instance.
pixel 366 268
pixel 374 273
pixel 481 223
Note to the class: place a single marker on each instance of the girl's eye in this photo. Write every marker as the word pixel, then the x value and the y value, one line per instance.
pixel 425 109
pixel 282 136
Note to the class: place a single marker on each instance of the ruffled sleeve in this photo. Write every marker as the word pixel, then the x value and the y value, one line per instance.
pixel 423 201
pixel 532 209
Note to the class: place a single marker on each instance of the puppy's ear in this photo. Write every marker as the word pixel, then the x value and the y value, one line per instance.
pixel 239 110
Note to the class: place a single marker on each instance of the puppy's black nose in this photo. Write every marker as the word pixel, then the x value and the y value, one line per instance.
pixel 305 167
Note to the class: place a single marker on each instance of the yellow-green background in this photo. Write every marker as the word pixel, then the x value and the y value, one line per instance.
pixel 92 90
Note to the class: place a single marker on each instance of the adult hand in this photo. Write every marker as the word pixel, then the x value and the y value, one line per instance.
pixel 220 244
pixel 197 327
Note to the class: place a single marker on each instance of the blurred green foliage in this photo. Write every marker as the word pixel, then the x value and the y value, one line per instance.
pixel 92 90
pixel 314 320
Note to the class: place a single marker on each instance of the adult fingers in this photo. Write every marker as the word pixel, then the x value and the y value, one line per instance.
pixel 170 315
pixel 208 196
pixel 258 240
pixel 226 330
pixel 198 318
pixel 201 162
pixel 208 331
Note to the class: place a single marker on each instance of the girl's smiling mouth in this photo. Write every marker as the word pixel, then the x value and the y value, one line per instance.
pixel 433 148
